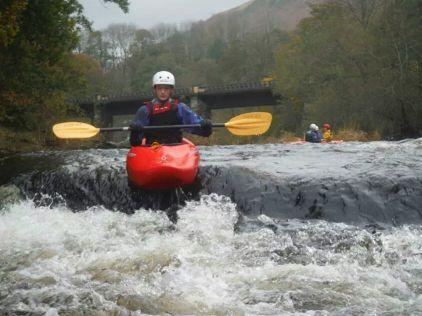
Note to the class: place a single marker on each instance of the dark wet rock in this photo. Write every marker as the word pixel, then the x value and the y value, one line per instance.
pixel 86 187
pixel 372 184
pixel 9 194
pixel 12 166
pixel 360 201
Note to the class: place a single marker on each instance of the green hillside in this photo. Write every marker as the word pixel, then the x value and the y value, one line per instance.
pixel 259 16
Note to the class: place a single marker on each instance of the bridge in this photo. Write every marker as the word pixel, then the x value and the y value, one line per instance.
pixel 201 99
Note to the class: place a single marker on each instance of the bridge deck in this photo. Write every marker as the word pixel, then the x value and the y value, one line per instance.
pixel 208 98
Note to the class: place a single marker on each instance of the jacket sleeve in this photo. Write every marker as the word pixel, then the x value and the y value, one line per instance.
pixel 308 136
pixel 319 137
pixel 187 116
pixel 142 119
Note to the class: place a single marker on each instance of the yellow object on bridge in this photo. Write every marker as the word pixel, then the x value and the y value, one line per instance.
pixel 267 80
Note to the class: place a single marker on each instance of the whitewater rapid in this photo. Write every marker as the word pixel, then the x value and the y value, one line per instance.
pixel 60 255
pixel 58 261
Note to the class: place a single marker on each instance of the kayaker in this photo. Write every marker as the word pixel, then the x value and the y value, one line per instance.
pixel 163 110
pixel 313 135
pixel 326 135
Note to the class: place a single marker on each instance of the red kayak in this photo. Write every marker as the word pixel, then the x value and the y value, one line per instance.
pixel 163 166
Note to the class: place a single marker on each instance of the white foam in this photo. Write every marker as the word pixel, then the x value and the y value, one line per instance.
pixel 54 260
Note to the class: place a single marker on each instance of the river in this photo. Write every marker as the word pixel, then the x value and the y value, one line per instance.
pixel 272 229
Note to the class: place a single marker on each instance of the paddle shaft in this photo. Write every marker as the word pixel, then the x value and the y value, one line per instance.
pixel 246 124
pixel 114 129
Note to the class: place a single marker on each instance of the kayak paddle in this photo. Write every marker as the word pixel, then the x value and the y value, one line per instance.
pixel 253 123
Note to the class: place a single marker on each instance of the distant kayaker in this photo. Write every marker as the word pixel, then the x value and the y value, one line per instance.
pixel 326 132
pixel 313 135
pixel 163 110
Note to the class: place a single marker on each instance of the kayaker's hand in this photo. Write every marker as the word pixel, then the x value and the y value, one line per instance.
pixel 136 127
pixel 206 126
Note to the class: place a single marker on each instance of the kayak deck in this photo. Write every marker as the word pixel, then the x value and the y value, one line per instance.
pixel 163 166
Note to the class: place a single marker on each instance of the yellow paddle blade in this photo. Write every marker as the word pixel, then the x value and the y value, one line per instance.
pixel 75 130
pixel 253 123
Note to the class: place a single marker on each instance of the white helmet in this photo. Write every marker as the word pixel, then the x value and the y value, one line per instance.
pixel 313 127
pixel 163 77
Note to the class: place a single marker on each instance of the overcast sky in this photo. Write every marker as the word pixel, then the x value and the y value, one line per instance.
pixel 147 13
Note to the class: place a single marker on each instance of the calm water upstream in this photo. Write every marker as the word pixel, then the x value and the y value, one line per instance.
pixel 266 230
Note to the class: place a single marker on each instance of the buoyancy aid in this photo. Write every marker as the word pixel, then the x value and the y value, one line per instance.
pixel 163 114
pixel 327 136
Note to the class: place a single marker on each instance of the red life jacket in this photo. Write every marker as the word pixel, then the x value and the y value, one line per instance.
pixel 157 108
pixel 163 114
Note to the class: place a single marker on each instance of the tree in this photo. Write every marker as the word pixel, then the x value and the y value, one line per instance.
pixel 9 20
pixel 92 43
pixel 86 76
pixel 37 41
pixel 355 62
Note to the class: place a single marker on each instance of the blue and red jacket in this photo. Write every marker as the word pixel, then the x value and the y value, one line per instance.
pixel 155 113
pixel 313 136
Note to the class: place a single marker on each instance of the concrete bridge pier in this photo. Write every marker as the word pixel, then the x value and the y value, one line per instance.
pixel 101 117
pixel 199 106
pixel 106 119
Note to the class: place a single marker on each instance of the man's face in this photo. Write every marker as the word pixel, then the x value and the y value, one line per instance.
pixel 163 92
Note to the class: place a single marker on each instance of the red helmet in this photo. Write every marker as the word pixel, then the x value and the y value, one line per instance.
pixel 327 126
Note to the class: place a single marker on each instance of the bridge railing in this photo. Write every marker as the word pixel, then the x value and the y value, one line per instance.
pixel 236 87
pixel 184 91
